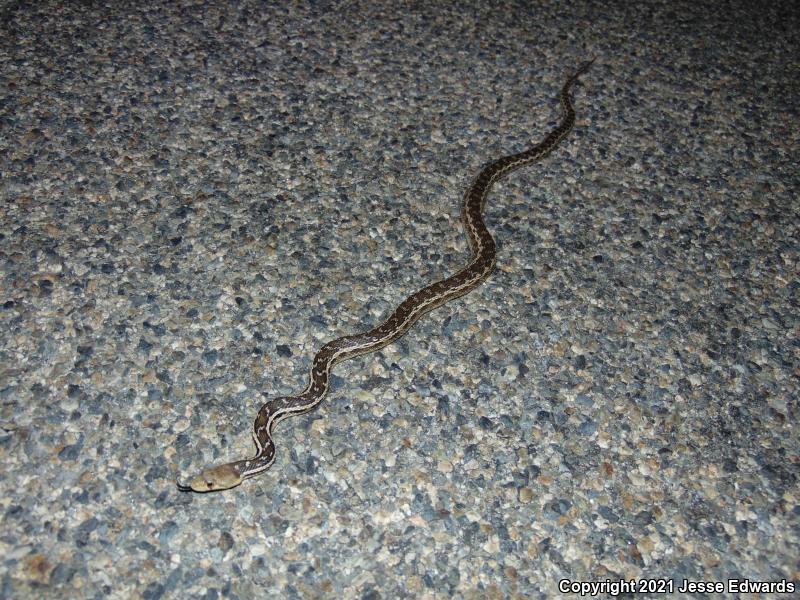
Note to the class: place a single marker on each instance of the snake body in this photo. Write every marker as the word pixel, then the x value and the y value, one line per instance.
pixel 409 311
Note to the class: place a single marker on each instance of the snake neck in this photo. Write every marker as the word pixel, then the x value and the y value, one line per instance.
pixel 263 459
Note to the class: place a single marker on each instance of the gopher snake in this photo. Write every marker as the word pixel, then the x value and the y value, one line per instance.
pixel 229 475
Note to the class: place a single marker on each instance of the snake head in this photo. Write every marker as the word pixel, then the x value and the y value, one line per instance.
pixel 213 479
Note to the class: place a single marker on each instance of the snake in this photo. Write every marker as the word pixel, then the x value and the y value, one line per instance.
pixel 407 313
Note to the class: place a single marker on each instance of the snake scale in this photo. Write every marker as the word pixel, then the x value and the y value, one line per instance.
pixel 409 311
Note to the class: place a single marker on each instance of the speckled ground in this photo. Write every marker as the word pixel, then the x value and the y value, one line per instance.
pixel 196 196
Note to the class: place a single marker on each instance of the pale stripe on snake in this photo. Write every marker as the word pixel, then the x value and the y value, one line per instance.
pixel 404 316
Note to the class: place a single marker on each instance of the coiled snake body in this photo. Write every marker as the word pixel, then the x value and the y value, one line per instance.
pixel 231 474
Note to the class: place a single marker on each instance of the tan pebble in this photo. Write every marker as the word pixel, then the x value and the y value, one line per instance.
pixel 38 568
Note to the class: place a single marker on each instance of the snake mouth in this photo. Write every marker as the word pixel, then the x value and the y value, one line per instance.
pixel 183 488
pixel 189 488
pixel 214 479
pixel 194 487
